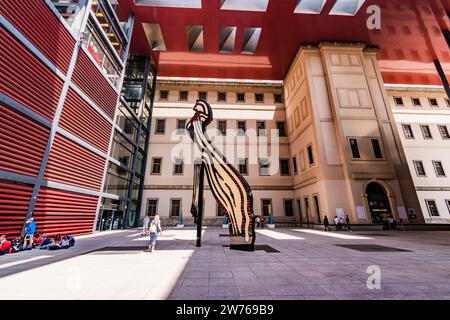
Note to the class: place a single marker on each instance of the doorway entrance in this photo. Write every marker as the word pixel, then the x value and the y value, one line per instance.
pixel 379 206
pixel 110 220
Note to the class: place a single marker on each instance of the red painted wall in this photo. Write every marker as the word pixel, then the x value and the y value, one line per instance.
pixel 72 164
pixel 23 143
pixel 62 212
pixel 80 119
pixel 28 81
pixel 41 27
pixel 25 79
pixel 14 199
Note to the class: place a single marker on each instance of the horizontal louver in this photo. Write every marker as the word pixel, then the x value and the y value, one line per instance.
pixel 35 20
pixel 14 200
pixel 80 119
pixel 89 79
pixel 25 79
pixel 21 153
pixel 62 212
pixel 72 164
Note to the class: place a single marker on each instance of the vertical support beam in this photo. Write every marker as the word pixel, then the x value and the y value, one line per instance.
pixel 443 77
pixel 111 140
pixel 200 205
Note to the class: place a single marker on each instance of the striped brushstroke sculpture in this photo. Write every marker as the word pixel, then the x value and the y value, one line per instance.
pixel 230 189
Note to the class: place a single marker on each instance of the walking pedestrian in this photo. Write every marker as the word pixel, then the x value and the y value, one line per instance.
pixel 155 228
pixel 336 223
pixel 145 225
pixel 326 224
pixel 348 224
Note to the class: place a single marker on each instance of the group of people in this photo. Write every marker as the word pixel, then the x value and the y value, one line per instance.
pixel 260 221
pixel 339 222
pixel 153 229
pixel 33 239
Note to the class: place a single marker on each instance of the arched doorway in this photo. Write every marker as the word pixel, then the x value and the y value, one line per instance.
pixel 378 201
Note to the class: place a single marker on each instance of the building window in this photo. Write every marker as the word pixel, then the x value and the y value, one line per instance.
pixel 288 207
pixel 183 95
pixel 240 97
pixel 433 102
pixel 241 126
pixel 266 207
pixel 243 166
pixel 426 132
pixel 222 126
pixel 261 127
pixel 407 130
pixel 175 207
pixel 317 205
pixel 163 95
pixel 294 162
pixel 284 167
pixel 152 207
pixel 156 165
pixel 310 155
pixel 439 168
pixel 222 96
pixel 420 170
pixel 377 149
pixel 160 126
pixel 354 148
pixel 129 127
pixel 181 126
pixel 281 126
pixel 432 208
pixel 264 167
pixel 416 102
pixel 399 101
pixel 277 98
pixel 220 211
pixel 444 132
pixel 178 166
pixel 202 95
pixel 259 97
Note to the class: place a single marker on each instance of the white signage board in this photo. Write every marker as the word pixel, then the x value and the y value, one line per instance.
pixel 361 212
pixel 402 213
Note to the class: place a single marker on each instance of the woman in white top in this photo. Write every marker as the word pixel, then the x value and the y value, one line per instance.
pixel 155 227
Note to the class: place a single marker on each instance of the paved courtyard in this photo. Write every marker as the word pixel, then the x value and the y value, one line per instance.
pixel 291 264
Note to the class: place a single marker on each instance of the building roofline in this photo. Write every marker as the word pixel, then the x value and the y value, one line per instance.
pixel 219 82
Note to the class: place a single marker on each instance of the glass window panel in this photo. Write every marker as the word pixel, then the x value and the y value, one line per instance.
pixel 117 180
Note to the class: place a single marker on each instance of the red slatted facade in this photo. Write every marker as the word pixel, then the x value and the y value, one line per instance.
pixel 14 200
pixel 25 79
pixel 64 212
pixel 72 164
pixel 87 77
pixel 79 118
pixel 41 27
pixel 21 153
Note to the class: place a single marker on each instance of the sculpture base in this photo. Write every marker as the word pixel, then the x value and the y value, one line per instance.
pixel 180 226
pixel 225 226
pixel 270 226
pixel 242 247
pixel 239 243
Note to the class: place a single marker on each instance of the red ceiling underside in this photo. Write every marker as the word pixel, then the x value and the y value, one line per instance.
pixel 410 40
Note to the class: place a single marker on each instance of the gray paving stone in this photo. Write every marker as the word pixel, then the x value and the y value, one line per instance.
pixel 313 268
